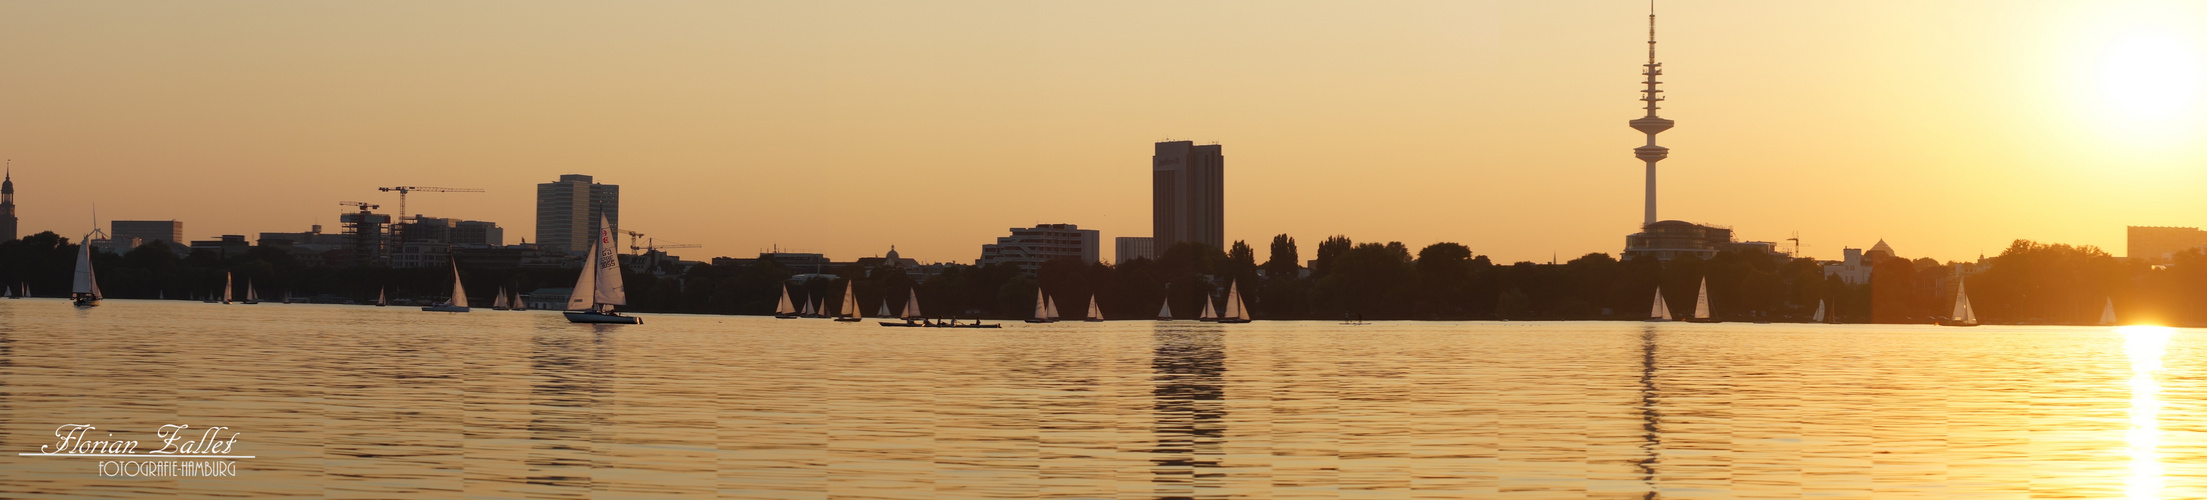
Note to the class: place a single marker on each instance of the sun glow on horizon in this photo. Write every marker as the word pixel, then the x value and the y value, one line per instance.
pixel 2144 70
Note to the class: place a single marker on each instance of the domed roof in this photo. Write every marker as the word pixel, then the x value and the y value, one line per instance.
pixel 892 252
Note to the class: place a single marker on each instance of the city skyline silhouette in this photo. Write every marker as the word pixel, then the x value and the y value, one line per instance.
pixel 1949 130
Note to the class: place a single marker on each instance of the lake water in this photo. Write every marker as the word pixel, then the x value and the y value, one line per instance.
pixel 364 402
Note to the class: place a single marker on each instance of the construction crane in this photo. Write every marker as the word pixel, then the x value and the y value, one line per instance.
pixel 402 190
pixel 651 244
pixel 363 206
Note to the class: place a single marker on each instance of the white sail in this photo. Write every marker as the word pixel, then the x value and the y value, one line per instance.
pixel 808 311
pixel 379 297
pixel 85 284
pixel 2107 314
pixel 1701 304
pixel 912 305
pixel 1093 311
pixel 250 294
pixel 1042 305
pixel 1233 301
pixel 850 299
pixel 517 304
pixel 1051 305
pixel 1208 312
pixel 1166 311
pixel 500 302
pixel 459 293
pixel 1662 310
pixel 784 307
pixel 580 299
pixel 609 290
pixel 884 311
pixel 1819 317
pixel 1962 310
pixel 227 286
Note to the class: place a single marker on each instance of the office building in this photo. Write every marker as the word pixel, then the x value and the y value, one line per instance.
pixel 225 246
pixel 2159 245
pixel 1028 248
pixel 7 206
pixel 567 212
pixel 1187 195
pixel 1132 247
pixel 147 231
pixel 453 232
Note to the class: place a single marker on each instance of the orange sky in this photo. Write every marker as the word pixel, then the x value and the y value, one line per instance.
pixel 1946 128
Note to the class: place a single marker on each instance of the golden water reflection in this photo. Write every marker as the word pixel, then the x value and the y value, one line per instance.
pixel 363 402
pixel 2146 345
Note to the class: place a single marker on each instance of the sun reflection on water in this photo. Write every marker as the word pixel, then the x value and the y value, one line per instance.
pixel 2145 345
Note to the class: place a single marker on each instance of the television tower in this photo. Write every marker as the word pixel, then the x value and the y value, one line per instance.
pixel 1651 124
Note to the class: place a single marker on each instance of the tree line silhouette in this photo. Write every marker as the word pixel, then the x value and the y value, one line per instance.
pixel 2028 283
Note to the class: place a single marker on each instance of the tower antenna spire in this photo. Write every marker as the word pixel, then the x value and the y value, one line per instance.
pixel 1651 124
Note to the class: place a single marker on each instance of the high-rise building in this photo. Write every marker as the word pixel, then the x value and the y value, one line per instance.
pixel 567 212
pixel 1132 247
pixel 148 231
pixel 1188 195
pixel 2159 245
pixel 7 206
pixel 1028 248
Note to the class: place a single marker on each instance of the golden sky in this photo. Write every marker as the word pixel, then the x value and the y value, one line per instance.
pixel 1945 128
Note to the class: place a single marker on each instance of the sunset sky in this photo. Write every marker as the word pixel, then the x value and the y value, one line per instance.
pixel 1945 128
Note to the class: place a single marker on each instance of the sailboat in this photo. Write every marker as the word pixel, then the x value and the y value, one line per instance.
pixel 1819 316
pixel 1095 314
pixel 8 292
pixel 518 305
pixel 228 285
pixel 458 302
pixel 86 291
pixel 850 304
pixel 784 309
pixel 1662 311
pixel 809 312
pixel 379 300
pixel 599 288
pixel 1045 312
pixel 2107 314
pixel 1964 315
pixel 911 313
pixel 1236 311
pixel 884 312
pixel 1208 314
pixel 498 302
pixel 1165 313
pixel 1701 305
pixel 251 297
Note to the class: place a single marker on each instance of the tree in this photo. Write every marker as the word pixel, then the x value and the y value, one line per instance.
pixel 1285 262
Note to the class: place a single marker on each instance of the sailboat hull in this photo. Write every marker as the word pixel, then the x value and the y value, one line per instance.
pixel 787 316
pixel 445 308
pixel 86 302
pixel 1233 320
pixel 1955 323
pixel 1701 320
pixel 848 320
pixel 602 318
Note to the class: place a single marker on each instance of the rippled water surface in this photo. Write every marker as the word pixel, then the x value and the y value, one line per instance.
pixel 348 401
